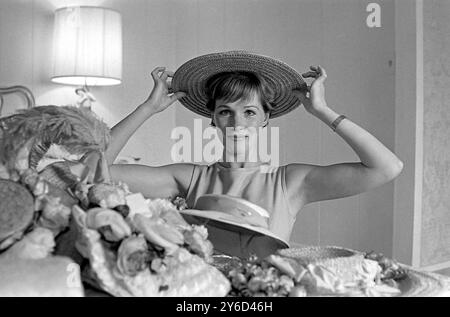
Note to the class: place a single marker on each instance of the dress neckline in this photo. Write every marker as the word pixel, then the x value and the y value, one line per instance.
pixel 220 166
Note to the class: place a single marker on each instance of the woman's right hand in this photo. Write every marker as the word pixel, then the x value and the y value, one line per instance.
pixel 160 97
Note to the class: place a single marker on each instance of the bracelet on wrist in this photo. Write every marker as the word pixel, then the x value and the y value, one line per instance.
pixel 336 122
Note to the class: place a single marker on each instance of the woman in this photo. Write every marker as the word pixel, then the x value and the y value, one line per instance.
pixel 243 99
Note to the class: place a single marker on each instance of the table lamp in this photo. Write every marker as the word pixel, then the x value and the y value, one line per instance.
pixel 87 49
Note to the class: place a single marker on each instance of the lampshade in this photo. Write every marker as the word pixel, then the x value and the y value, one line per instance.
pixel 87 46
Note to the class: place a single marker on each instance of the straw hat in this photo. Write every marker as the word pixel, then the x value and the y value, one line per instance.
pixel 231 236
pixel 233 225
pixel 191 78
pixel 234 211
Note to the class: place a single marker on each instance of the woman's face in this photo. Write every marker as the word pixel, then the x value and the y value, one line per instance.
pixel 238 123
pixel 241 113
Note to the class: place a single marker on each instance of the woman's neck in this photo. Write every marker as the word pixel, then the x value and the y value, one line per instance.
pixel 232 164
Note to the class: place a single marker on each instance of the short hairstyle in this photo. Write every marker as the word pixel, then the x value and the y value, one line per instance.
pixel 232 86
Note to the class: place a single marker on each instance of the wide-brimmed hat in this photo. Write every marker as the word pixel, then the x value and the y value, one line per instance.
pixel 233 225
pixel 223 219
pixel 191 78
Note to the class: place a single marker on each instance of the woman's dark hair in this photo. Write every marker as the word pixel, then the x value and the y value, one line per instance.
pixel 232 86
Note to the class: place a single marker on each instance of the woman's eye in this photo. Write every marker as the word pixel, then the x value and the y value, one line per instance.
pixel 250 113
pixel 224 112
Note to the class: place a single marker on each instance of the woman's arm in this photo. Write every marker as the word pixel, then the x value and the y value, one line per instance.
pixel 158 101
pixel 155 182
pixel 121 132
pixel 152 182
pixel 378 164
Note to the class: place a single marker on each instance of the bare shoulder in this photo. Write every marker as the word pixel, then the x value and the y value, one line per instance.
pixel 155 182
pixel 295 182
pixel 317 183
pixel 180 171
pixel 296 173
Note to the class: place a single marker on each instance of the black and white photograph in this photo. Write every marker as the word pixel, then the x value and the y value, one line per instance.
pixel 227 149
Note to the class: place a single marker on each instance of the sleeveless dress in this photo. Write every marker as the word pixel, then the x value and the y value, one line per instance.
pixel 263 185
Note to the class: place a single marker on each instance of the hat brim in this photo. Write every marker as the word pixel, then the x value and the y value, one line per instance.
pixel 191 78
pixel 226 221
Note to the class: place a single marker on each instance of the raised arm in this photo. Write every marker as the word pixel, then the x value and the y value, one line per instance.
pixel 378 165
pixel 158 101
pixel 153 182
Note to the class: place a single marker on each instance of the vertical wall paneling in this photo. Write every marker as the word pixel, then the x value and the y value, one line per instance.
pixel 377 115
pixel 435 222
pixel 193 31
pixel 296 37
pixel 408 127
pixel 339 41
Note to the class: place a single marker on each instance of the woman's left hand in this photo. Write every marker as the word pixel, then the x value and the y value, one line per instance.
pixel 314 99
